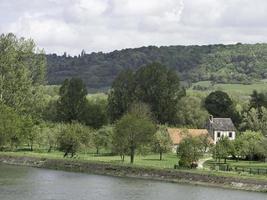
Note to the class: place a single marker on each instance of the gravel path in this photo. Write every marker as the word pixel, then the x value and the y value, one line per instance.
pixel 201 162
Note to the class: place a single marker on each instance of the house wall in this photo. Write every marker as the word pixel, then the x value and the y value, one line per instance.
pixel 174 148
pixel 223 134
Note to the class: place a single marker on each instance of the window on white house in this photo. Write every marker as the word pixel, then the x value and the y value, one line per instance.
pixel 218 134
pixel 230 134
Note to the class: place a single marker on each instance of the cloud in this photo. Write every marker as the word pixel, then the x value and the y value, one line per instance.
pixel 106 25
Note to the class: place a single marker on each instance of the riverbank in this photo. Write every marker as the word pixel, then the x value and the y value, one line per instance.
pixel 196 177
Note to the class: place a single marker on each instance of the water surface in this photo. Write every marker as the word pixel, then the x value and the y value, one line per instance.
pixel 23 183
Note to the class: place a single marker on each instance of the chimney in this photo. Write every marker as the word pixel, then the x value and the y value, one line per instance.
pixel 211 119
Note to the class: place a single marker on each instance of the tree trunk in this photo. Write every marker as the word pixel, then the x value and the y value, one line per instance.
pixel 122 157
pixel 66 153
pixel 97 150
pixel 50 149
pixel 160 155
pixel 132 154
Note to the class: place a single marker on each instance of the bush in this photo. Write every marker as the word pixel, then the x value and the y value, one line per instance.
pixel 72 137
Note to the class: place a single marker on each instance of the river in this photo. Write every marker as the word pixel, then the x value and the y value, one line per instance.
pixel 24 183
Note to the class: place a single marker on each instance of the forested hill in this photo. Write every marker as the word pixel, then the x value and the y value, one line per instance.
pixel 239 63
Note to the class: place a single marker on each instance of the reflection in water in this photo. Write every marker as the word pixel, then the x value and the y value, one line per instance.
pixel 24 183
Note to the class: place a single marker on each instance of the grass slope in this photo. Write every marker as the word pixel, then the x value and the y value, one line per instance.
pixel 232 89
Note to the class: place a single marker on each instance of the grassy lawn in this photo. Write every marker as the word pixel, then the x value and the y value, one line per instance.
pixel 233 89
pixel 169 160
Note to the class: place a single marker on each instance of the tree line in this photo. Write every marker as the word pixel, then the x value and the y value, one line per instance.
pixel 239 63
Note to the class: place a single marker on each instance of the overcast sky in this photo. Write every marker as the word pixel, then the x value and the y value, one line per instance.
pixel 107 25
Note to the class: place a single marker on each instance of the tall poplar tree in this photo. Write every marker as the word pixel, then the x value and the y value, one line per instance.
pixel 72 102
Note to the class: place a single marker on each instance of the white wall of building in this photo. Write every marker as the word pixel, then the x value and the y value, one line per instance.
pixel 219 134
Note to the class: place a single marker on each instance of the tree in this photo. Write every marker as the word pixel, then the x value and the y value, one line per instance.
pixel 10 127
pixel 219 104
pixel 223 149
pixel 30 130
pixel 154 84
pixel 263 148
pixel 190 151
pixel 72 100
pixel 135 129
pixel 205 142
pixel 239 148
pixel 159 87
pixel 121 95
pixel 22 70
pixel 191 113
pixel 120 145
pixel 240 63
pixel 254 121
pixel 103 138
pixel 162 142
pixel 258 101
pixel 71 137
pixel 251 143
pixel 95 113
pixel 50 112
pixel 49 133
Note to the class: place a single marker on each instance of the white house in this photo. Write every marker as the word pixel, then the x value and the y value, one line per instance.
pixel 221 127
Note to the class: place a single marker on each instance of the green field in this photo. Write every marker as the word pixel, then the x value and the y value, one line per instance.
pixel 241 90
pixel 97 96
pixel 232 89
pixel 169 160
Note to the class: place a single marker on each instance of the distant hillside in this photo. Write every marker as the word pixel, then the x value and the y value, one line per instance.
pixel 240 63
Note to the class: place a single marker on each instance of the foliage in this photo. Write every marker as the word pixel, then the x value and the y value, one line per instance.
pixel 72 136
pixel 103 138
pixel 206 143
pixel 154 85
pixel 121 95
pixel 95 113
pixel 49 133
pixel 162 142
pixel 10 127
pixel 22 68
pixel 251 143
pixel 51 114
pixel 72 101
pixel 219 104
pixel 258 101
pixel 159 87
pixel 240 63
pixel 263 148
pixel 191 112
pixel 190 151
pixel 254 121
pixel 133 130
pixel 223 149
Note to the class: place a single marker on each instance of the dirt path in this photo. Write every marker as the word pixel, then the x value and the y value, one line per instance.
pixel 201 162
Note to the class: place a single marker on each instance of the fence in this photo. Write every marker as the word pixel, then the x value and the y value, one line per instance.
pixel 259 171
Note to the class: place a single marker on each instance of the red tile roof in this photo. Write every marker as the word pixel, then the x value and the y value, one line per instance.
pixel 177 134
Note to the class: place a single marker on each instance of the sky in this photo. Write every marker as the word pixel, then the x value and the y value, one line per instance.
pixel 69 26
